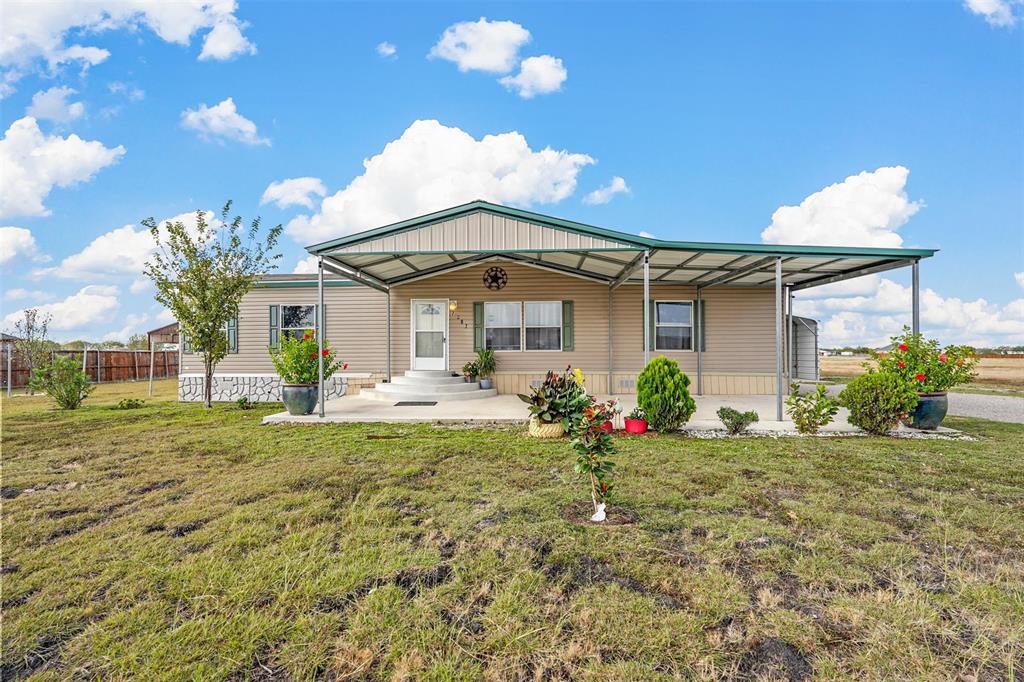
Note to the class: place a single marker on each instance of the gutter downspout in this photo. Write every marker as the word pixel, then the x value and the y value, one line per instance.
pixel 320 333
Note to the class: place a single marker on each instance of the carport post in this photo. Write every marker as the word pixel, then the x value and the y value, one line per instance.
pixel 320 331
pixel 700 342
pixel 387 346
pixel 915 287
pixel 647 307
pixel 611 389
pixel 778 339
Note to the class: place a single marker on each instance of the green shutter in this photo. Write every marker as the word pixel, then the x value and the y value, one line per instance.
pixel 568 336
pixel 478 325
pixel 186 345
pixel 233 335
pixel 651 325
pixel 275 325
pixel 700 324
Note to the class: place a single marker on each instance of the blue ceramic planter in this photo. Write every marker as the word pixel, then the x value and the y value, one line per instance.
pixel 930 411
pixel 299 398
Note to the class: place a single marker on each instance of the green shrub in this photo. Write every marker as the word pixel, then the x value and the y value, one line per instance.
pixel 662 392
pixel 878 400
pixel 812 411
pixel 736 422
pixel 129 404
pixel 64 381
pixel 244 403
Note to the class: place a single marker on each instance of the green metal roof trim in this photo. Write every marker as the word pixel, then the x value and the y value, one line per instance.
pixel 298 284
pixel 613 235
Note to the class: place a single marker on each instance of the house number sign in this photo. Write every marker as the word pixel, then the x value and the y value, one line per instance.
pixel 495 278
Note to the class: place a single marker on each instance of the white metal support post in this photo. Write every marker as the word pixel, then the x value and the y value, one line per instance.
pixel 10 379
pixel 778 339
pixel 152 361
pixel 789 336
pixel 647 307
pixel 611 388
pixel 916 294
pixel 320 333
pixel 387 348
pixel 699 341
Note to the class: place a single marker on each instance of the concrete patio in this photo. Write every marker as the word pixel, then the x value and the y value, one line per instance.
pixel 508 409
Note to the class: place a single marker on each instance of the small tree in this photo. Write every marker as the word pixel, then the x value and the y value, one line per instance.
pixel 202 274
pixel 64 381
pixel 31 343
pixel 663 393
pixel 138 342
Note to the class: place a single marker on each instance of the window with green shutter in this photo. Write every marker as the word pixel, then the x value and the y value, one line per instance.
pixel 568 330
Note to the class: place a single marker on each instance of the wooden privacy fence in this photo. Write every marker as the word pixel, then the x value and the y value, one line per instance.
pixel 102 366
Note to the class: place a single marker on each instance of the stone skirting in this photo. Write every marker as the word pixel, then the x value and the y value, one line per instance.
pixel 259 388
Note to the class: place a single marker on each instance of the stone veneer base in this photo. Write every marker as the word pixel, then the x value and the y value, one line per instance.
pixel 259 388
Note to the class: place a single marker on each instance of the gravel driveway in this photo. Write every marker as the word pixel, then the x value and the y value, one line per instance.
pixel 1000 408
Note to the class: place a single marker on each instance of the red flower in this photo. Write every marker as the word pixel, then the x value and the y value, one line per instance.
pixel 326 352
pixel 960 361
pixel 306 336
pixel 313 355
pixel 942 358
pixel 901 364
pixel 904 346
pixel 345 366
pixel 920 377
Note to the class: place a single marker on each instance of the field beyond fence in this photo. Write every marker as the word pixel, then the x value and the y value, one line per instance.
pixel 102 366
pixel 1005 370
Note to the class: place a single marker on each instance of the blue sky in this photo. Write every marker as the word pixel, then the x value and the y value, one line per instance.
pixel 713 115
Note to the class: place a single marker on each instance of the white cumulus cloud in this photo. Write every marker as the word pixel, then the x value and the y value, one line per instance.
pixel 602 195
pixel 306 266
pixel 34 32
pixel 221 122
pixel 293 192
pixel 863 210
pixel 19 294
pixel 433 166
pixel 53 105
pixel 34 163
pixel 537 76
pixel 133 325
pixel 90 305
pixel 1002 13
pixel 19 243
pixel 1019 276
pixel 491 46
pixel 386 49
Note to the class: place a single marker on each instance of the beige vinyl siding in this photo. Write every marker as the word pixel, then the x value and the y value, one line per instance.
pixel 356 327
pixel 483 232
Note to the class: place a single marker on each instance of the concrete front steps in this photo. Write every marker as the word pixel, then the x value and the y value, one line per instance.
pixel 427 386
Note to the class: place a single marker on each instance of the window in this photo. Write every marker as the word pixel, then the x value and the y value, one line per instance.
pixel 297 319
pixel 673 325
pixel 502 326
pixel 543 325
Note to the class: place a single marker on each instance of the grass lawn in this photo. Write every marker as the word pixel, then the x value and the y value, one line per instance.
pixel 172 542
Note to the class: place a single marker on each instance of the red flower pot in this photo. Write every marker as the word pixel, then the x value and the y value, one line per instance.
pixel 607 426
pixel 636 426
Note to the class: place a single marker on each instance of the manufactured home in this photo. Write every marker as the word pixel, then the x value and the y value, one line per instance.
pixel 412 302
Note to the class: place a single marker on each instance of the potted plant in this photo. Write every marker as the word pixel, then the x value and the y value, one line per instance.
pixel 470 371
pixel 930 371
pixel 608 411
pixel 486 363
pixel 636 421
pixel 556 403
pixel 297 364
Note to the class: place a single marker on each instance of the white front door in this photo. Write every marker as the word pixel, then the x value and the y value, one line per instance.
pixel 430 334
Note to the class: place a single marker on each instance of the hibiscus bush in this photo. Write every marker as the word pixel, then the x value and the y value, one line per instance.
pixel 926 367
pixel 296 359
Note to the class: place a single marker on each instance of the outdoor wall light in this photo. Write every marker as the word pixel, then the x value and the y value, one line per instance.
pixel 453 305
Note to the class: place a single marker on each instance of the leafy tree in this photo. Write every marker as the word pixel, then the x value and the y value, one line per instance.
pixel 138 342
pixel 31 342
pixel 201 275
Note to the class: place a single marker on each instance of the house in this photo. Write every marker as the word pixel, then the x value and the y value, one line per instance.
pixel 166 335
pixel 422 295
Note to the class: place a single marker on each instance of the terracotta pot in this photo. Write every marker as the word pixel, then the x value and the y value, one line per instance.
pixel 930 411
pixel 539 429
pixel 636 426
pixel 299 399
pixel 607 426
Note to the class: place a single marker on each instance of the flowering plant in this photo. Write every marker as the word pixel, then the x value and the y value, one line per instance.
pixel 296 360
pixel 637 414
pixel 560 397
pixel 924 366
pixel 594 449
pixel 607 410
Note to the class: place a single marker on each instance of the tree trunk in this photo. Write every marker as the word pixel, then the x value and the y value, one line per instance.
pixel 208 385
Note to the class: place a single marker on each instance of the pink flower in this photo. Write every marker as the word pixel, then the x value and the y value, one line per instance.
pixel 942 358
pixel 920 377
